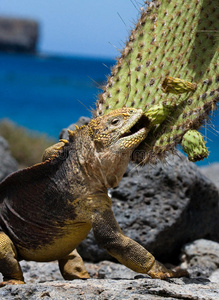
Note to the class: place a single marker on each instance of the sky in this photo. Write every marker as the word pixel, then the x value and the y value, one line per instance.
pixel 86 27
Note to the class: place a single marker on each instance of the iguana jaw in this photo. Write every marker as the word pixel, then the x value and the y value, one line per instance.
pixel 134 132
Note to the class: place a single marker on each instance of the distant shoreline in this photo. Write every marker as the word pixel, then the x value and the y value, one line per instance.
pixel 61 56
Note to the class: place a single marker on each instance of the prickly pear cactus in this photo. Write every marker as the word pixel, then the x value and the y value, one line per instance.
pixel 169 68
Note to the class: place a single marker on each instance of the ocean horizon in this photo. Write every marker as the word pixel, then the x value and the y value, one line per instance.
pixel 46 93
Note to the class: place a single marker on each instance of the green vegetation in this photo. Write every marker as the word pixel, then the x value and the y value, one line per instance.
pixel 26 146
pixel 169 66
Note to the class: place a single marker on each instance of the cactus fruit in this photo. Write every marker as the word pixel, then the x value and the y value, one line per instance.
pixel 194 145
pixel 169 69
pixel 177 86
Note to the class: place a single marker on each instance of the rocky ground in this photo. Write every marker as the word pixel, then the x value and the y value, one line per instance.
pixel 172 209
pixel 145 288
pixel 114 281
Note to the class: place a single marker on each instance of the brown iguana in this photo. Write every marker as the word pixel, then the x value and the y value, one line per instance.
pixel 46 210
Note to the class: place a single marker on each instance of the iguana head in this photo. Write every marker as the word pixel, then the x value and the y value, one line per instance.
pixel 122 129
pixel 114 136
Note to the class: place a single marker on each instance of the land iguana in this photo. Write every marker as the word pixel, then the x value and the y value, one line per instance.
pixel 46 210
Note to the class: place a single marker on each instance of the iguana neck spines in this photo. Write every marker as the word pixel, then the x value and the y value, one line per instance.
pixel 102 149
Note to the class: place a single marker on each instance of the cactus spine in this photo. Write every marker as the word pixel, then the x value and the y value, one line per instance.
pixel 168 68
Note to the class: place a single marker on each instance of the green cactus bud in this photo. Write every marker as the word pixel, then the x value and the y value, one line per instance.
pixel 177 86
pixel 194 145
pixel 157 114
pixel 170 59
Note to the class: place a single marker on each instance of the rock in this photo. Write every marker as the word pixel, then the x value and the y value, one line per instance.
pixel 38 272
pixel 146 288
pixel 212 172
pixel 111 281
pixel 7 163
pixel 18 35
pixel 110 270
pixel 215 276
pixel 82 121
pixel 201 258
pixel 162 207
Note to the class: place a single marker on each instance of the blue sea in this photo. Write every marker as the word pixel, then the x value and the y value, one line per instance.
pixel 47 93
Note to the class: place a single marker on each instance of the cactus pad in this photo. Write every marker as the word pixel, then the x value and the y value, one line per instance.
pixel 168 68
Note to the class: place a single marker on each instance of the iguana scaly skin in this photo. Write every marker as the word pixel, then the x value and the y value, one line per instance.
pixel 46 210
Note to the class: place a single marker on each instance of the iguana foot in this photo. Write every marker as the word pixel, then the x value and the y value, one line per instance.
pixel 161 272
pixel 11 281
pixel 72 267
pixel 9 265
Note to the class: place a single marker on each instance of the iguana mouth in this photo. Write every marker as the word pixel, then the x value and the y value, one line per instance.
pixel 140 126
pixel 135 131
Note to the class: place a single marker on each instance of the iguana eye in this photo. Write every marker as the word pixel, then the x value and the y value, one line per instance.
pixel 115 122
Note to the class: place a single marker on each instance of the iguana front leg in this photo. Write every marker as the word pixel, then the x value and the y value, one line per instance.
pixel 9 265
pixel 128 252
pixel 72 266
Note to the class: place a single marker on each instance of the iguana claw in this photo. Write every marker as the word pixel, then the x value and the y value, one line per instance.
pixel 11 281
pixel 159 271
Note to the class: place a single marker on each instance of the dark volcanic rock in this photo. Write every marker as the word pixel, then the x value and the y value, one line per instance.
pixel 162 207
pixel 17 35
pixel 7 163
